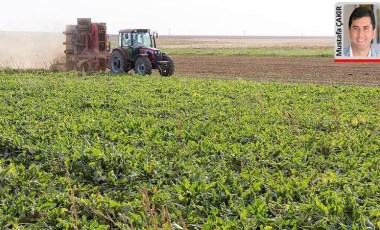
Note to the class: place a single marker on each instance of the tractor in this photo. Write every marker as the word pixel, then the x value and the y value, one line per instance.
pixel 137 50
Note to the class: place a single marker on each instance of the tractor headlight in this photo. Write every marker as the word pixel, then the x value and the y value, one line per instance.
pixel 157 54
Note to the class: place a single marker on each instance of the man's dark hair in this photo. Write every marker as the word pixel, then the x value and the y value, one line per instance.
pixel 361 12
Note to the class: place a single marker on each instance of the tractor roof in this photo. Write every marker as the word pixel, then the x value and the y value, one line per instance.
pixel 133 30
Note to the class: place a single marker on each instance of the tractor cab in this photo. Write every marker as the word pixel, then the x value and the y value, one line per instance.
pixel 136 38
pixel 137 41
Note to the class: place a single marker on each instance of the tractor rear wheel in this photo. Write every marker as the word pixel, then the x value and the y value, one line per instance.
pixel 170 70
pixel 143 66
pixel 118 63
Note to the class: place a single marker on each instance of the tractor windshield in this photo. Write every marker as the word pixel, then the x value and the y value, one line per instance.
pixel 142 39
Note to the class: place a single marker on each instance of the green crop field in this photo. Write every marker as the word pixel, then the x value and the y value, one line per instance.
pixel 129 152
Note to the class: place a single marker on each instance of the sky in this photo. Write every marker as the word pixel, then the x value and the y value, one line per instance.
pixel 177 17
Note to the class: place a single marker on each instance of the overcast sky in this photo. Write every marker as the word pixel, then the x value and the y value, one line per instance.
pixel 177 17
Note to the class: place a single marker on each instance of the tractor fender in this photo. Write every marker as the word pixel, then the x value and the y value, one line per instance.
pixel 122 51
pixel 141 55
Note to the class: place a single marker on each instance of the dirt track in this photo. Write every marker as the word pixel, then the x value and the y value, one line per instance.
pixel 282 69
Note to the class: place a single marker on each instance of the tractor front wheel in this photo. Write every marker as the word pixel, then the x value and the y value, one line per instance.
pixel 143 66
pixel 170 69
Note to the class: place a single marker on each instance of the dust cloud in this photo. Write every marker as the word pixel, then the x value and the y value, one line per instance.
pixel 34 50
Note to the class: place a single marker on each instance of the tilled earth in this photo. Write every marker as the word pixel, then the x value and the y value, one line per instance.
pixel 320 70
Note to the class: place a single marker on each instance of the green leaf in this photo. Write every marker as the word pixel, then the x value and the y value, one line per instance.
pixel 113 204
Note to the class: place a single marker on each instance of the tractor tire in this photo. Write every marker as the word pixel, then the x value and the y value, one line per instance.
pixel 143 66
pixel 170 70
pixel 118 63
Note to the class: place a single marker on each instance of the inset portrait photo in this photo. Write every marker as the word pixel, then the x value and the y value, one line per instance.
pixel 357 29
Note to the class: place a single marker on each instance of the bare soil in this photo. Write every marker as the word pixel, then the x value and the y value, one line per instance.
pixel 282 69
pixel 318 70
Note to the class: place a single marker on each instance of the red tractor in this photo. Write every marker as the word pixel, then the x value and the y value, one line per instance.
pixel 137 50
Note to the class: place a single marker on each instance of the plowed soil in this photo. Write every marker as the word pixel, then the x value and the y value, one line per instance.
pixel 280 69
pixel 319 70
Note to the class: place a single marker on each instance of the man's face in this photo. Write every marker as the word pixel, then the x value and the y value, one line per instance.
pixel 362 33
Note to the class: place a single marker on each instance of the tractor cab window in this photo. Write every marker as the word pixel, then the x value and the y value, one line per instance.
pixel 142 39
pixel 126 39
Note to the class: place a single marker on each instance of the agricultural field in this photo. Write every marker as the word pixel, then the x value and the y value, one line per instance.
pixel 256 140
pixel 279 59
pixel 103 151
pixel 287 59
